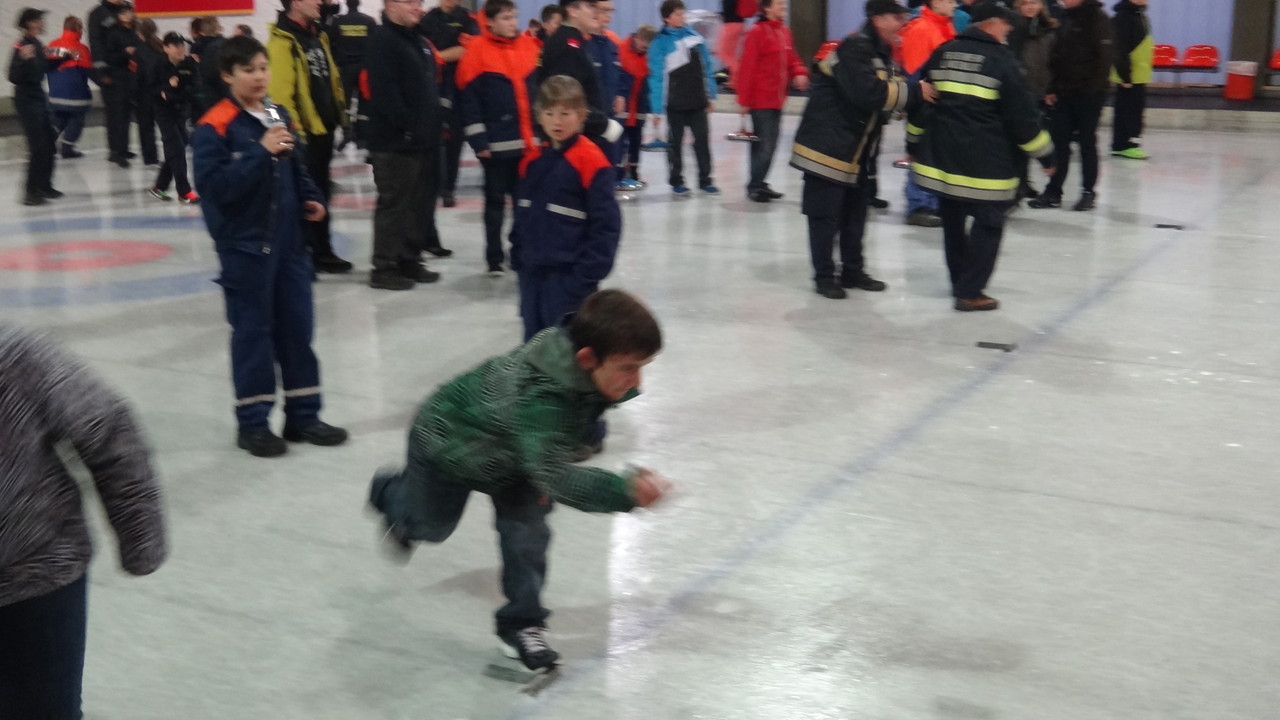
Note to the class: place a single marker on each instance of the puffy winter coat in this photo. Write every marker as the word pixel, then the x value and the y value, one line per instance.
pixel 1081 59
pixel 1134 47
pixel 680 76
pixel 769 62
pixel 497 79
pixel 69 82
pixel 924 35
pixel 632 81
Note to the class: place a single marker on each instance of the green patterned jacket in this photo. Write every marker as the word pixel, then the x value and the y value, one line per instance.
pixel 517 418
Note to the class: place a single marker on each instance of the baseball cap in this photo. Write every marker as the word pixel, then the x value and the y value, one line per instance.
pixel 883 7
pixel 988 9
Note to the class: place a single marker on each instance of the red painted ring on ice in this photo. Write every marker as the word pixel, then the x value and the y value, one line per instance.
pixel 83 255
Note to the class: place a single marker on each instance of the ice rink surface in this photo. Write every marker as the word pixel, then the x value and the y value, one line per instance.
pixel 876 519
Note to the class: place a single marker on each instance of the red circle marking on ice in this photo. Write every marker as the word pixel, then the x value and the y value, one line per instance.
pixel 83 255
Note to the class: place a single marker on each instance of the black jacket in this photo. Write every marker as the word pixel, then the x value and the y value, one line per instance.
pixel 349 38
pixel 1080 63
pixel 565 53
pixel 1130 27
pixel 404 104
pixel 101 19
pixel 445 31
pixel 209 88
pixel 173 101
pixel 120 61
pixel 969 145
pixel 850 92
pixel 149 62
pixel 27 75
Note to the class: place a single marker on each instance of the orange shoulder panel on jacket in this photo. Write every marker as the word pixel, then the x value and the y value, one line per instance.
pixel 220 116
pixel 530 154
pixel 614 37
pixel 588 159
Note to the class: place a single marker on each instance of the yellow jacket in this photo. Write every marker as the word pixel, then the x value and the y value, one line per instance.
pixel 291 81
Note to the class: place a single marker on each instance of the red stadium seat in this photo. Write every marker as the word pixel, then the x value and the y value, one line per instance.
pixel 1200 57
pixel 1275 61
pixel 1166 57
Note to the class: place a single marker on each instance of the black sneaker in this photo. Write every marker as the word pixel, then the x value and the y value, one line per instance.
pixel 862 281
pixel 34 200
pixel 317 432
pixel 440 251
pixel 878 203
pixel 759 196
pixel 51 194
pixel 390 280
pixel 829 289
pixel 331 264
pixel 1045 201
pixel 529 646
pixel 496 269
pixel 71 154
pixel 448 200
pixel 122 162
pixel 261 442
pixel 418 273
pixel 924 218
pixel 982 303
pixel 773 194
pixel 129 155
pixel 1086 201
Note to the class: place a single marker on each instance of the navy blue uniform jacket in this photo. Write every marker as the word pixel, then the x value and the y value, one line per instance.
pixel 567 218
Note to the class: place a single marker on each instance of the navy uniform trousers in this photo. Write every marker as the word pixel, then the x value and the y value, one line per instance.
pixel 269 306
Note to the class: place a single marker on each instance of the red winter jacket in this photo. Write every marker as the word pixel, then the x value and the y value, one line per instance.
pixel 769 62
pixel 924 35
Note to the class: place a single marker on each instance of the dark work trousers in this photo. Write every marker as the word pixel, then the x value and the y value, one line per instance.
pixel 42 641
pixel 500 178
pixel 406 184
pixel 173 134
pixel 269 306
pixel 546 296
pixel 766 124
pixel 318 154
pixel 1075 117
pixel 429 506
pixel 695 120
pixel 68 123
pixel 871 188
pixel 118 99
pixel 350 75
pixel 632 140
pixel 971 253
pixel 834 210
pixel 147 119
pixel 451 151
pixel 37 125
pixel 1127 123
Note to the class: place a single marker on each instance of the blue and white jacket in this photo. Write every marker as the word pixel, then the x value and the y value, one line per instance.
pixel 680 76
pixel 567 218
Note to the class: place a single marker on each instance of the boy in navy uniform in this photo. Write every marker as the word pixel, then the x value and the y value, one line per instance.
pixel 508 429
pixel 567 221
pixel 27 67
pixel 171 94
pixel 569 52
pixel 256 195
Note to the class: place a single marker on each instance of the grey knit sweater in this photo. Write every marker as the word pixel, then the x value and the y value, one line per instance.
pixel 49 400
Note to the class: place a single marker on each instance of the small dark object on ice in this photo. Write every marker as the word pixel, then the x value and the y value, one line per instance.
pixel 1007 347
pixel 1169 226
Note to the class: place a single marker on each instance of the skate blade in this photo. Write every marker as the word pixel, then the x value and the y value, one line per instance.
pixel 531 682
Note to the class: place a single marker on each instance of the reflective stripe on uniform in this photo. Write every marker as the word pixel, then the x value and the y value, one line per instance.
pixel 805 164
pixel 302 392
pixel 1039 146
pixel 506 145
pixel 960 88
pixel 570 212
pixel 960 76
pixel 914 130
pixel 473 129
pixel 964 186
pixel 241 402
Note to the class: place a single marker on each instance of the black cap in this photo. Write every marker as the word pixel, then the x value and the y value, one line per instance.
pixel 884 7
pixel 987 9
pixel 27 15
pixel 173 38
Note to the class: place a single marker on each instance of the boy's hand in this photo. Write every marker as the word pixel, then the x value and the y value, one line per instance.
pixel 173 81
pixel 313 211
pixel 484 153
pixel 277 139
pixel 648 487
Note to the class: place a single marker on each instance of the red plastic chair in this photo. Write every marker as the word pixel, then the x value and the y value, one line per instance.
pixel 1275 61
pixel 1166 57
pixel 1201 57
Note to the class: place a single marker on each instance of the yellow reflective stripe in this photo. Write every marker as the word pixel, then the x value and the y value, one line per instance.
pixel 964 180
pixel 967 89
pixel 891 97
pixel 913 130
pixel 1037 143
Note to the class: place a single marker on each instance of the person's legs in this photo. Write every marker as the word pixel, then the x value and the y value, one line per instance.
pixel 395 218
pixel 819 203
pixel 169 138
pixel 532 288
pixel 1087 111
pixel 918 198
pixel 523 535
pixel 247 285
pixel 676 123
pixel 982 249
pixel 1123 122
pixel 42 656
pixel 117 144
pixel 767 124
pixel 853 224
pixel 633 137
pixel 500 178
pixel 179 164
pixel 955 240
pixel 318 154
pixel 702 146
pixel 37 127
pixel 1140 104
pixel 147 130
pixel 1061 129
pixel 293 330
pixel 452 148
pixel 418 503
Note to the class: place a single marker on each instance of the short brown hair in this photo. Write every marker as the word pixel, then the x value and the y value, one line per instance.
pixel 561 91
pixel 646 33
pixel 613 322
pixel 73 23
pixel 670 6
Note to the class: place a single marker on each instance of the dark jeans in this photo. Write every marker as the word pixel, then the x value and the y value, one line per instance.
pixel 766 124
pixel 118 98
pixel 406 184
pixel 429 507
pixel 318 154
pixel 37 125
pixel 451 151
pixel 1075 117
pixel 500 178
pixel 350 75
pixel 173 134
pixel 632 140
pixel 546 296
pixel 834 209
pixel 971 254
pixel 695 120
pixel 147 119
pixel 42 642
pixel 69 124
pixel 1127 123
